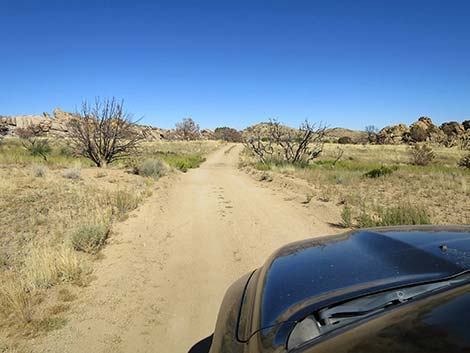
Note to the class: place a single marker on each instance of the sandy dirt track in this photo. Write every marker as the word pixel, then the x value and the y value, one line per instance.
pixel 162 279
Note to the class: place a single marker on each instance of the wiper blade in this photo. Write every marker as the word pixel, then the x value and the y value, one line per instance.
pixel 339 315
pixel 372 303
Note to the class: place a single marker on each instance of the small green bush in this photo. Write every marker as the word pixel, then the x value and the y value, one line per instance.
pixel 153 168
pixel 379 172
pixel 394 216
pixel 345 140
pixel 346 217
pixel 90 238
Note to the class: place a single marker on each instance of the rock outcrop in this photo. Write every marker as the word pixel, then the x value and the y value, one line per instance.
pixel 393 135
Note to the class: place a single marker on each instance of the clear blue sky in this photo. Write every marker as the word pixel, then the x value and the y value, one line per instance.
pixel 347 63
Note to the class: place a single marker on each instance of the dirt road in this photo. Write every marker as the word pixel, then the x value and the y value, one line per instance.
pixel 162 279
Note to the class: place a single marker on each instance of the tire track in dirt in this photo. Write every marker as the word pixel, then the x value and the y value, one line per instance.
pixel 163 277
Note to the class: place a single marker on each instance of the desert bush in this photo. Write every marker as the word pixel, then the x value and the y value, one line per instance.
pixel 45 267
pixel 346 216
pixel 394 216
pixel 104 132
pixel 422 154
pixel 187 129
pixel 284 145
pixel 124 202
pixel 379 172
pixel 345 140
pixel 153 168
pixel 464 162
pixel 39 170
pixel 33 143
pixel 266 177
pixel 227 134
pixel 72 173
pixel 90 238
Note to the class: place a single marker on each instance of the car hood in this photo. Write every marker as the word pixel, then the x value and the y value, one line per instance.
pixel 302 277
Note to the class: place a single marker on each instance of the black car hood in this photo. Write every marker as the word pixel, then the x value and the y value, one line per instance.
pixel 304 276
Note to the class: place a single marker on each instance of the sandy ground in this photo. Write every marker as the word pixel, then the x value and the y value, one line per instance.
pixel 162 279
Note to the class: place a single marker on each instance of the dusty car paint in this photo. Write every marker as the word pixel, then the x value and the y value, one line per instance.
pixel 305 276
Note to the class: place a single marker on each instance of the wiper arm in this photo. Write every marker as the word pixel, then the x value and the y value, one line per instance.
pixel 332 317
pixel 373 303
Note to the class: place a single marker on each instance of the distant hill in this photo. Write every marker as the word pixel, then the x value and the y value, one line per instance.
pixel 332 134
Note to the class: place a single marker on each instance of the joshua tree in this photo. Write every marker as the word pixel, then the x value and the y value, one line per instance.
pixel 104 132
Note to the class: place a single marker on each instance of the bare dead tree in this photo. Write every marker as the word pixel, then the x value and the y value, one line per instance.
pixel 338 155
pixel 104 132
pixel 187 129
pixel 291 146
pixel 372 131
pixel 261 147
pixel 32 141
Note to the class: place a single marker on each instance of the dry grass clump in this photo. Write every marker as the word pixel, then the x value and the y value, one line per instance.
pixel 90 238
pixel 72 173
pixel 39 170
pixel 15 299
pixel 47 267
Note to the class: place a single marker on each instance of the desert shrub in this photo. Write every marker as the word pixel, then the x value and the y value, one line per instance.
pixel 394 216
pixel 379 172
pixel 421 154
pixel 346 217
pixel 266 177
pixel 464 162
pixel 345 140
pixel 45 267
pixel 90 238
pixel 227 134
pixel 124 202
pixel 72 173
pixel 39 170
pixel 153 168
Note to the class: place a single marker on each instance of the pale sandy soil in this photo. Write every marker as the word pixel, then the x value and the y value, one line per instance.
pixel 162 279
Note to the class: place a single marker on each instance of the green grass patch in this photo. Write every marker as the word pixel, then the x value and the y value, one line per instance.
pixel 394 216
pixel 182 162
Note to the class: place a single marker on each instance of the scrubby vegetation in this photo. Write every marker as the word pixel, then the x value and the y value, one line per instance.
pixel 56 215
pixel 377 185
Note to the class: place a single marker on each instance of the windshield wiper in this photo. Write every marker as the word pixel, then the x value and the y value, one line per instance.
pixel 339 315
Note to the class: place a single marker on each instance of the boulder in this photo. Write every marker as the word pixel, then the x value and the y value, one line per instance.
pixel 452 128
pixel 425 130
pixel 393 135
pixel 466 125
